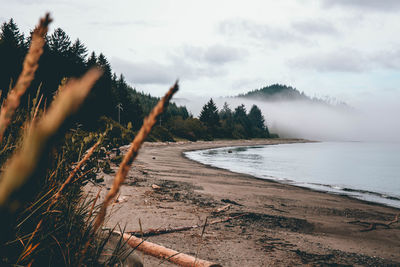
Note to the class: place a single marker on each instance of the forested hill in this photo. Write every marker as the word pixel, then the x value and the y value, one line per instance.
pixel 279 92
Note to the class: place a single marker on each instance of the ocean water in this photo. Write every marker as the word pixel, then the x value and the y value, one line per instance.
pixel 368 171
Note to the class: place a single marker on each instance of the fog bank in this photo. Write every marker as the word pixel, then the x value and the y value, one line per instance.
pixel 365 121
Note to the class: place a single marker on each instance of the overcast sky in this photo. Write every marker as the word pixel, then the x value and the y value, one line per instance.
pixel 348 49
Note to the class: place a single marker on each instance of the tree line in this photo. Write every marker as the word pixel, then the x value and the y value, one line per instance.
pixel 112 97
pixel 233 124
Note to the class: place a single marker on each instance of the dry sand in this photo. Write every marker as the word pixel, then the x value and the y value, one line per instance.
pixel 281 225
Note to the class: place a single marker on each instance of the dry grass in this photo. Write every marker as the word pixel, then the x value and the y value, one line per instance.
pixel 23 163
pixel 57 195
pixel 27 75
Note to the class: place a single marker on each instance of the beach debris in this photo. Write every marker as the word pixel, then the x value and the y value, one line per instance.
pixel 164 253
pixel 153 157
pixel 155 187
pixel 370 226
pixel 121 199
pixel 226 200
pixel 222 209
pixel 165 207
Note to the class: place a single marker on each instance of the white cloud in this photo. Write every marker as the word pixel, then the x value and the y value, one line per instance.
pixel 215 54
pixel 348 60
pixel 343 60
pixel 370 5
pixel 315 27
pixel 245 28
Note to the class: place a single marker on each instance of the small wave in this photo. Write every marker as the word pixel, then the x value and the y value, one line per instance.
pixel 359 191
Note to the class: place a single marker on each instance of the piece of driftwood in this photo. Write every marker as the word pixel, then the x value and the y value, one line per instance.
pixel 164 253
pixel 370 226
pixel 222 209
pixel 160 231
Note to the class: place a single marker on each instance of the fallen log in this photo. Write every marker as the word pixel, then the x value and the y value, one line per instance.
pixel 160 231
pixel 370 226
pixel 164 253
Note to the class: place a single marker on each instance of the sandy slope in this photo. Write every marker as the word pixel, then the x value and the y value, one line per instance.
pixel 283 225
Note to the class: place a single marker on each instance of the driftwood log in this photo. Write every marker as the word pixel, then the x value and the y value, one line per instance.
pixel 164 253
pixel 370 226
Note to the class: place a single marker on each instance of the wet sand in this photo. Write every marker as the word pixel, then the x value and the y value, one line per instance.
pixel 279 224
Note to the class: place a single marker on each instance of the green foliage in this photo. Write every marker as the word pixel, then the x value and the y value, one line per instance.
pixel 209 114
pixel 237 124
pixel 191 129
pixel 257 122
pixel 159 133
pixel 117 135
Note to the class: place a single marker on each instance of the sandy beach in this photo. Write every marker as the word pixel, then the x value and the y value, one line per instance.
pixel 278 224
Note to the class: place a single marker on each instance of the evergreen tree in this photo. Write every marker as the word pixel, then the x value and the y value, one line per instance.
pixel 209 116
pixel 242 126
pixel 78 52
pixel 226 112
pixel 132 110
pixel 92 60
pixel 226 117
pixel 59 43
pixel 257 122
pixel 12 51
pixel 256 118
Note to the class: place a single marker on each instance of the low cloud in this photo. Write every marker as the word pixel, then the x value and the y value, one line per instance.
pixel 144 72
pixel 348 60
pixel 344 60
pixel 215 54
pixel 372 5
pixel 123 23
pixel 315 27
pixel 151 72
pixel 247 28
pixel 374 120
pixel 389 59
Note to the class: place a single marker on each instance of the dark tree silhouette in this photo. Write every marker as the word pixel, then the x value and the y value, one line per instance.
pixel 209 116
pixel 12 51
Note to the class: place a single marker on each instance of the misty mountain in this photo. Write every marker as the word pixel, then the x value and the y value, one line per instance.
pixel 279 92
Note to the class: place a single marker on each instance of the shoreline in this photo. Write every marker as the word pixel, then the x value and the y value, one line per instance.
pixel 281 224
pixel 293 183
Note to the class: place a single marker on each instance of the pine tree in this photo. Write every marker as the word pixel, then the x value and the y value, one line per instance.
pixel 256 118
pixel 209 114
pixel 226 117
pixel 78 52
pixel 92 60
pixel 257 121
pixel 59 42
pixel 242 126
pixel 226 112
pixel 12 51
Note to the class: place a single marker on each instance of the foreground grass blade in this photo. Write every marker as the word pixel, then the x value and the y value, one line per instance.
pixel 23 163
